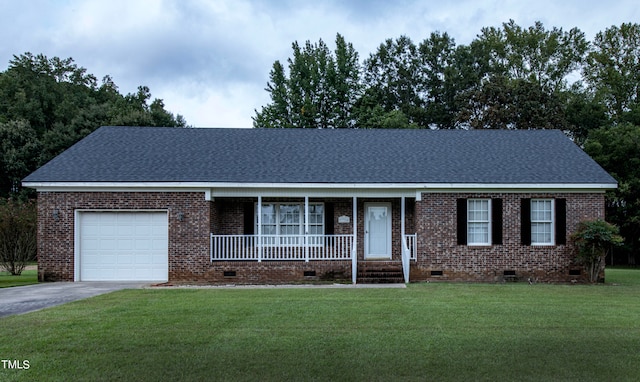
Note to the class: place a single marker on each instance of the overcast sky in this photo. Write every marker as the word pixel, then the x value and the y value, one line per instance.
pixel 209 60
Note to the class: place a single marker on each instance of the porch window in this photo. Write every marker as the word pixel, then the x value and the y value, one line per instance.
pixel 287 219
pixel 478 222
pixel 542 221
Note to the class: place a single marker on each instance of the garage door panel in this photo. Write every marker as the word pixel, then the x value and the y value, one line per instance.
pixel 143 244
pixel 161 244
pixel 123 246
pixel 107 259
pixel 126 244
pixel 143 230
pixel 108 244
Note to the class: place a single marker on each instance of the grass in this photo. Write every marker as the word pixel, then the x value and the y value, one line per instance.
pixel 26 278
pixel 440 332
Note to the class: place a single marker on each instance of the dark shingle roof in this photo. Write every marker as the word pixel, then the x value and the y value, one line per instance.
pixel 143 154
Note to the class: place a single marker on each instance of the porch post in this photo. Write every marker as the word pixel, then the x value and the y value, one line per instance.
pixel 354 250
pixel 259 228
pixel 404 249
pixel 402 206
pixel 306 228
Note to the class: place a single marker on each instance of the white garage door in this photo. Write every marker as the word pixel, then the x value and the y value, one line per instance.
pixel 123 246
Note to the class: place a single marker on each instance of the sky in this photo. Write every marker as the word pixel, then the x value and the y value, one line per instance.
pixel 209 60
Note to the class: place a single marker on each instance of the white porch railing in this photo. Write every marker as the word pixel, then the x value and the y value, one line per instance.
pixel 411 245
pixel 280 247
pixel 408 253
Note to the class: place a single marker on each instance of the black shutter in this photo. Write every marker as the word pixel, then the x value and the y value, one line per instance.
pixel 561 221
pixel 249 218
pixel 525 221
pixel 462 221
pixel 496 221
pixel 328 219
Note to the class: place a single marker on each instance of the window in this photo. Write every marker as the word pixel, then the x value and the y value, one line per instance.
pixel 288 219
pixel 542 222
pixel 478 222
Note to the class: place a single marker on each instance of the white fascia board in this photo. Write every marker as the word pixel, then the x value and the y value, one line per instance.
pixel 396 189
pixel 313 192
pixel 519 187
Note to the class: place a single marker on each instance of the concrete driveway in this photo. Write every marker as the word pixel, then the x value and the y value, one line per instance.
pixel 24 299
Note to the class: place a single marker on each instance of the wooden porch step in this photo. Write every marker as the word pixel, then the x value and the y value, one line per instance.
pixel 380 272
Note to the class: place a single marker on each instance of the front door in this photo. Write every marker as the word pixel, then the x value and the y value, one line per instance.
pixel 377 231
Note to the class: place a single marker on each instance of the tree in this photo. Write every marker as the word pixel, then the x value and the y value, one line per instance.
pixel 617 150
pixel 19 153
pixel 17 235
pixel 523 81
pixel 318 91
pixel 612 70
pixel 46 105
pixel 593 240
pixel 394 80
pixel 442 80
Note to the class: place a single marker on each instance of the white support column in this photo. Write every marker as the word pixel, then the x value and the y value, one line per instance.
pixel 354 249
pixel 402 206
pixel 404 250
pixel 306 228
pixel 259 238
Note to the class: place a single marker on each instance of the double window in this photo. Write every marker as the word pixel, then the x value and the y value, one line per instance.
pixel 288 219
pixel 543 221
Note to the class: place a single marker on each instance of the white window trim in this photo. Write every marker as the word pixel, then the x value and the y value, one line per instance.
pixel 553 222
pixel 301 223
pixel 480 244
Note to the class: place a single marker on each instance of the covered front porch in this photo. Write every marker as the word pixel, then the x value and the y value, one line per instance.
pixel 353 231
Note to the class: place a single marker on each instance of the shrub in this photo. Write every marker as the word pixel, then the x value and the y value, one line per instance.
pixel 593 239
pixel 18 229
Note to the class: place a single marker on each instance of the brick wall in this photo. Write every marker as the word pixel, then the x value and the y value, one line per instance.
pixel 433 219
pixel 188 239
pixel 276 272
pixel 438 249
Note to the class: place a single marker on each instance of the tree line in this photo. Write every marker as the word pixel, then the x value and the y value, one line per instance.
pixel 48 104
pixel 508 77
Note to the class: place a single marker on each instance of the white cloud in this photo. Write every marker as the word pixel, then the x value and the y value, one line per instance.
pixel 210 60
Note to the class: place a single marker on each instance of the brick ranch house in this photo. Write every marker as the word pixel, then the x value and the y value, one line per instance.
pixel 290 205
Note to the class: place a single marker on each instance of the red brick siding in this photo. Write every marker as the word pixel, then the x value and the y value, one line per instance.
pixel 433 219
pixel 188 239
pixel 438 249
pixel 276 272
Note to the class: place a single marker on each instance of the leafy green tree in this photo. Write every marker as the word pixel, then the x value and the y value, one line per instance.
pixel 524 73
pixel 318 91
pixel 442 79
pixel 617 150
pixel 19 153
pixel 394 80
pixel 46 105
pixel 593 240
pixel 612 70
pixel 18 231
pixel 347 86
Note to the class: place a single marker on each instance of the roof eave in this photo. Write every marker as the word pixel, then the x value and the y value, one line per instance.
pixel 424 187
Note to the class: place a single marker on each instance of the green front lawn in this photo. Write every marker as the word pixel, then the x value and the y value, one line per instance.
pixel 26 278
pixel 432 332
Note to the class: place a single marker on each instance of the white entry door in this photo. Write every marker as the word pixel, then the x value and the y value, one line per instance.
pixel 377 234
